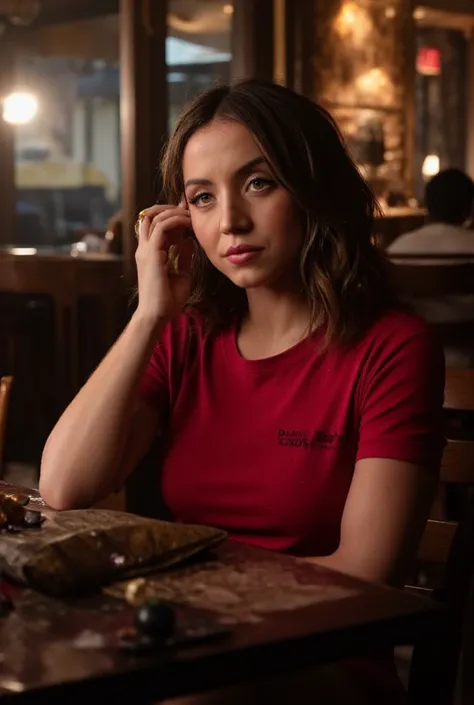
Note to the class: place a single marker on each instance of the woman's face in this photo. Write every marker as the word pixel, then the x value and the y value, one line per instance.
pixel 245 221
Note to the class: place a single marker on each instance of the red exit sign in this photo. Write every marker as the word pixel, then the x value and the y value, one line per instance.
pixel 428 61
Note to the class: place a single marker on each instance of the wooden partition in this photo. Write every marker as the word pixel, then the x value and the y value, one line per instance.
pixel 60 314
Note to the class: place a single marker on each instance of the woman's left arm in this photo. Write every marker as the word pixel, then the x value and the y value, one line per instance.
pixel 400 442
pixel 383 520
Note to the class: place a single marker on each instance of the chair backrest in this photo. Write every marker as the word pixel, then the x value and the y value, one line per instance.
pixel 429 277
pixel 5 387
pixel 422 281
pixel 438 258
pixel 459 390
pixel 450 546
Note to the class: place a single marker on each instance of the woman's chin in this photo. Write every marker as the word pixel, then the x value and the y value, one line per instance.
pixel 249 280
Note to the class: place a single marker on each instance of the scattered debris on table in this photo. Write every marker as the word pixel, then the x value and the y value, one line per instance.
pixel 14 514
pixel 236 593
pixel 88 639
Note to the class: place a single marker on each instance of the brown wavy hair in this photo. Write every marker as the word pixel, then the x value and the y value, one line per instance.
pixel 343 275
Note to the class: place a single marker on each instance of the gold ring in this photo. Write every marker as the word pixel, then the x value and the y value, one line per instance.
pixel 141 215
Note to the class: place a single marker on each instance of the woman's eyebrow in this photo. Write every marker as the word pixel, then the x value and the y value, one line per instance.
pixel 244 169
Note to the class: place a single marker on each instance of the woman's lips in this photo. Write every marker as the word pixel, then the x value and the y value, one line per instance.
pixel 242 254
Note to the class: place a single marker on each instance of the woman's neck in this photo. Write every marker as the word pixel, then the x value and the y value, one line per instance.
pixel 275 321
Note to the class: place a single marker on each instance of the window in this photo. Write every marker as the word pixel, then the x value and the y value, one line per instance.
pixel 198 49
pixel 440 102
pixel 64 106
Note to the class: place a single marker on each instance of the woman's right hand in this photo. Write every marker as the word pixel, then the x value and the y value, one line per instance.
pixel 162 292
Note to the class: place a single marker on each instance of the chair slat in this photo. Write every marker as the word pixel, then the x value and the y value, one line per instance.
pixel 457 465
pixel 419 591
pixel 5 388
pixel 450 546
pixel 459 389
pixel 437 541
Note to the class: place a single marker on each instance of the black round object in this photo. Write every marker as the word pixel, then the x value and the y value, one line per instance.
pixel 33 518
pixel 155 620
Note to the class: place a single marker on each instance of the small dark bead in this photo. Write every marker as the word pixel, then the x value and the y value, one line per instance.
pixel 32 518
pixel 155 620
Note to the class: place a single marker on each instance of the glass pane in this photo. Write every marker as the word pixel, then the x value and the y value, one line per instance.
pixel 65 110
pixel 440 101
pixel 198 49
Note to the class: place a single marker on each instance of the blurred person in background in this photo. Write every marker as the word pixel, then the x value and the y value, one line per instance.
pixel 450 202
pixel 449 199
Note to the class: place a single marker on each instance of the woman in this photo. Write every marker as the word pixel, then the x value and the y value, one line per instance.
pixel 301 408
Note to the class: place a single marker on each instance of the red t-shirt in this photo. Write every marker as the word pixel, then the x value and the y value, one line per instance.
pixel 266 448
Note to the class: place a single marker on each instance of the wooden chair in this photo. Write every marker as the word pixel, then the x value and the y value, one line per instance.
pixel 459 390
pixel 5 387
pixel 438 258
pixel 430 278
pixel 449 545
pixel 116 501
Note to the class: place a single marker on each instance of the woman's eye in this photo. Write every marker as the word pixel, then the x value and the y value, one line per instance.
pixel 201 199
pixel 260 184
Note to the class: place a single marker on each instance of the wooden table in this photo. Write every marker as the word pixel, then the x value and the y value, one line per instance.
pixel 284 613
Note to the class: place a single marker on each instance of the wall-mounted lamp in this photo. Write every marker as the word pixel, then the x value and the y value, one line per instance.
pixel 430 166
pixel 19 108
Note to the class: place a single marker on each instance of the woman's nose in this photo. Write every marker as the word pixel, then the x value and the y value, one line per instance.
pixel 235 218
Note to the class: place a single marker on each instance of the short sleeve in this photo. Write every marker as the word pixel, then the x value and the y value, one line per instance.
pixel 401 399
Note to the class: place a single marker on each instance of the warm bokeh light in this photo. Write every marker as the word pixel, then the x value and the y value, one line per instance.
pixel 375 85
pixel 430 166
pixel 419 13
pixel 19 108
pixel 347 16
pixel 228 9
pixel 354 22
pixel 23 251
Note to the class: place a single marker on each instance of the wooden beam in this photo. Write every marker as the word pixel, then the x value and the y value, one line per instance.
pixel 144 112
pixel 470 107
pixel 293 34
pixel 449 5
pixel 409 115
pixel 252 39
pixel 7 146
